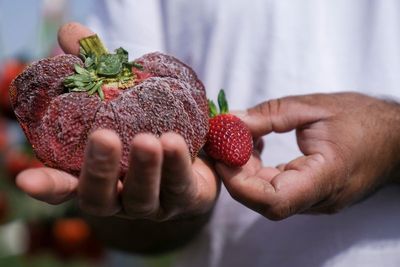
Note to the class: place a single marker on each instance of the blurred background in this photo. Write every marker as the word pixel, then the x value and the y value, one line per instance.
pixel 33 233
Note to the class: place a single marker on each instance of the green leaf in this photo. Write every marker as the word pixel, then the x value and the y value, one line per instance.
pixel 80 70
pixel 212 109
pixel 69 81
pixel 89 62
pixel 101 93
pixel 96 87
pixel 84 88
pixel 77 81
pixel 109 65
pixel 92 61
pixel 135 65
pixel 82 53
pixel 89 86
pixel 122 54
pixel 83 78
pixel 79 84
pixel 100 67
pixel 222 103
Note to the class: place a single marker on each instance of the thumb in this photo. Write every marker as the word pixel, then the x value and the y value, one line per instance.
pixel 69 35
pixel 282 115
pixel 49 185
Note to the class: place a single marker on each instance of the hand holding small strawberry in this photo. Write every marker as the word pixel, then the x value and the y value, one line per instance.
pixel 350 145
pixel 228 139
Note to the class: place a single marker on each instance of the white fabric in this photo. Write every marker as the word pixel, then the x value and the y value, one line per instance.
pixel 262 49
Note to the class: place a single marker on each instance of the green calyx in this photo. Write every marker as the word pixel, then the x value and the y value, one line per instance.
pixel 100 67
pixel 222 104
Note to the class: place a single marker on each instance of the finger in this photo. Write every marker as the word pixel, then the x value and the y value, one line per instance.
pixel 281 167
pixel 281 115
pixel 69 35
pixel 141 190
pixel 208 185
pixel 178 186
pixel 258 144
pixel 97 188
pixel 278 195
pixel 49 185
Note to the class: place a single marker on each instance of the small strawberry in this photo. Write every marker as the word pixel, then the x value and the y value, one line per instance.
pixel 228 139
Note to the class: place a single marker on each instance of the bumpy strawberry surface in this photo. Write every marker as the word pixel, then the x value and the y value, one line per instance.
pixel 167 96
pixel 229 140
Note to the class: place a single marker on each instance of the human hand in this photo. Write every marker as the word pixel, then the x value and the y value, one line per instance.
pixel 350 145
pixel 162 182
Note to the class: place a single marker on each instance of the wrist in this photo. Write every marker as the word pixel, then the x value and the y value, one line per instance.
pixel 393 126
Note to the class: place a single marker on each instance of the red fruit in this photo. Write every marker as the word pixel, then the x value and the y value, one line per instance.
pixel 61 100
pixel 15 162
pixel 35 163
pixel 4 142
pixel 71 232
pixel 11 69
pixel 73 237
pixel 229 139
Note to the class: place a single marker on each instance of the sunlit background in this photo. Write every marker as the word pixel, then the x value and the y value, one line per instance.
pixel 28 27
pixel 33 233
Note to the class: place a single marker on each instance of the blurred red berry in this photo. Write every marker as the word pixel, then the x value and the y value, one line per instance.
pixel 71 231
pixel 71 236
pixel 3 135
pixel 8 71
pixel 16 161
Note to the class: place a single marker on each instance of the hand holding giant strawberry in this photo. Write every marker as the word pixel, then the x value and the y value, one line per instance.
pixel 81 127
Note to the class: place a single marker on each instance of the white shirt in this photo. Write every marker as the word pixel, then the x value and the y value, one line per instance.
pixel 262 49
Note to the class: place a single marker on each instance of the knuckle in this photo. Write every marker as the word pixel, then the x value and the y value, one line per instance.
pixel 177 190
pixel 271 109
pixel 274 106
pixel 95 209
pixel 140 210
pixel 274 110
pixel 268 108
pixel 100 170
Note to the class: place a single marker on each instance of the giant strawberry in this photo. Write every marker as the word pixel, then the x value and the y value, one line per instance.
pixel 59 101
pixel 228 140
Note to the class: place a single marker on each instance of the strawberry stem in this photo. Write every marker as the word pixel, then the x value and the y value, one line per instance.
pixel 222 103
pixel 212 108
pixel 101 68
pixel 93 44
